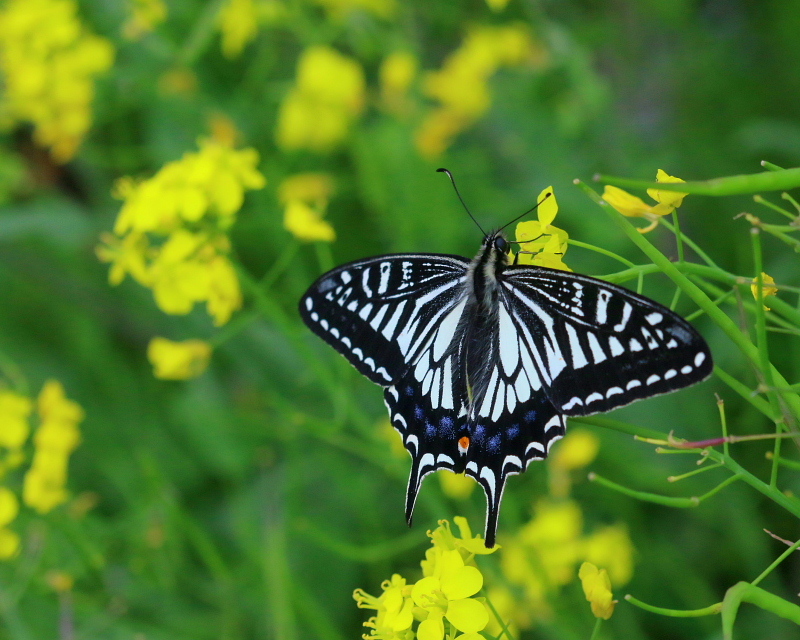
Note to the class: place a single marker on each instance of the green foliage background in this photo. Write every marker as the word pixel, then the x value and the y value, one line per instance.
pixel 250 502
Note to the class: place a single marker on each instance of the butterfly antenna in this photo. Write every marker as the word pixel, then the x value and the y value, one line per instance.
pixel 546 196
pixel 464 204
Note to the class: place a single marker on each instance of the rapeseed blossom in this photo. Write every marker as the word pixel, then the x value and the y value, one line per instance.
pixel 144 16
pixel 397 72
pixel 55 439
pixel 443 596
pixel 461 86
pixel 9 508
pixel 178 360
pixel 768 288
pixel 49 62
pixel 171 233
pixel 633 206
pixel 542 243
pixel 305 197
pixel 577 450
pixel 327 97
pixel 238 24
pixel 340 9
pixel 597 589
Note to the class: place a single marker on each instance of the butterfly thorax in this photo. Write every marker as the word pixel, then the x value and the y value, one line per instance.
pixel 483 291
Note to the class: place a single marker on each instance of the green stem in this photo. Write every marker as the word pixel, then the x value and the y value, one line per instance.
pixel 596 629
pixel 745 592
pixel 676 613
pixel 678 235
pixel 605 252
pixel 667 501
pixel 503 624
pixel 617 425
pixel 199 38
pixel 776 562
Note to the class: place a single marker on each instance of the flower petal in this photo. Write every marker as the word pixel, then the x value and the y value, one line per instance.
pixel 431 628
pixel 467 615
pixel 462 583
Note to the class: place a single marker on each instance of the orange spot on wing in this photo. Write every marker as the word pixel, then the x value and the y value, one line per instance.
pixel 463 443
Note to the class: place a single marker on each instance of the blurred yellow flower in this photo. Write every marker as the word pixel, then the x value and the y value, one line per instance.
pixel 634 207
pixel 578 449
pixel 9 544
pixel 328 96
pixel 9 506
pixel 497 5
pixel 49 62
pixel 178 81
pixel 144 17
pixel 238 22
pixel 457 486
pixel 178 360
pixel 611 547
pixel 15 409
pixel 461 86
pixel 60 581
pixel 768 288
pixel 543 244
pixel 597 589
pixel 56 438
pixel 397 72
pixel 306 223
pixel 340 9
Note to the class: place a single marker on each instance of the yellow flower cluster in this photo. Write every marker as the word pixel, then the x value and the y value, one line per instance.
pixel 305 197
pixel 634 207
pixel 768 288
pixel 238 23
pixel 170 235
pixel 144 16
pixel 443 596
pixel 55 439
pixel 49 62
pixel 461 87
pixel 178 360
pixel 543 244
pixel 326 99
pixel 397 72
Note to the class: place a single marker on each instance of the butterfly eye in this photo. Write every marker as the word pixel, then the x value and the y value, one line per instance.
pixel 501 244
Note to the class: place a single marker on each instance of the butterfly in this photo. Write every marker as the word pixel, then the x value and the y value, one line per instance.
pixel 482 360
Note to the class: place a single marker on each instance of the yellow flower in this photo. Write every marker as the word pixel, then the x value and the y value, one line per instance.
pixel 238 22
pixel 14 412
pixel 497 5
pixel 311 188
pixel 394 609
pixel 178 360
pixel 576 451
pixel 456 485
pixel 127 255
pixel 145 15
pixel 443 540
pixel 668 198
pixel 340 9
pixel 543 244
pixel 328 96
pixel 397 72
pixel 597 589
pixel 611 547
pixel 461 86
pixel 768 288
pixel 49 62
pixel 55 439
pixel 446 594
pixel 9 506
pixel 60 581
pixel 306 223
pixel 9 544
pixel 633 206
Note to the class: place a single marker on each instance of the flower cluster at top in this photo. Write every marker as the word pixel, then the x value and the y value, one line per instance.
pixel 541 243
pixel 57 436
pixel 443 597
pixel 461 86
pixel 171 233
pixel 49 63
pixel 634 207
pixel 143 17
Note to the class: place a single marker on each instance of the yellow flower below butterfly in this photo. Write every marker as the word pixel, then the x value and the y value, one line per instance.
pixel 597 589
pixel 178 360
pixel 768 288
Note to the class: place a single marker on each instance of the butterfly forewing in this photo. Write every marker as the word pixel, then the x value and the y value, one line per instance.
pixel 381 312
pixel 598 346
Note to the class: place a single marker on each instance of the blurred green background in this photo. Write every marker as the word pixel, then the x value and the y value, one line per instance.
pixel 250 501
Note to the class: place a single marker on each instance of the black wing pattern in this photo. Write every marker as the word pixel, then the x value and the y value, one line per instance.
pixel 380 313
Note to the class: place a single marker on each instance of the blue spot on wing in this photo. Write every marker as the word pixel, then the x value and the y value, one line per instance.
pixel 530 416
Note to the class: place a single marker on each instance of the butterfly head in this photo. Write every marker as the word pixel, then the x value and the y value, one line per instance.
pixel 497 241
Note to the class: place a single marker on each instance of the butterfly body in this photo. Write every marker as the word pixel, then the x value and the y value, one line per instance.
pixel 482 361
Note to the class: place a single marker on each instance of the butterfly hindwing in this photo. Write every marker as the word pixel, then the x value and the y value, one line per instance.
pixel 380 312
pixel 598 346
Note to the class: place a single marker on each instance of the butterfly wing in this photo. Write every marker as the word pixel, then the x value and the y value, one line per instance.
pixel 595 345
pixel 380 312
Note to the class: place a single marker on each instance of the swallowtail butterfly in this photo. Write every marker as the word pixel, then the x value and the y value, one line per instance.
pixel 482 361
